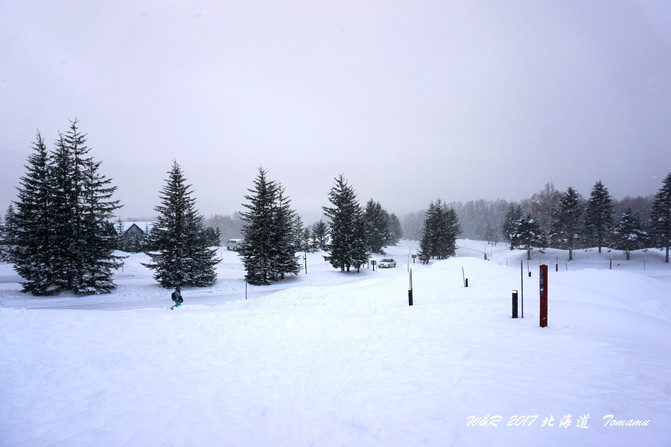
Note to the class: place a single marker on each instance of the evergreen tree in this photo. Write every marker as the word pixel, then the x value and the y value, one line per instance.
pixel 30 226
pixel 307 242
pixel 213 236
pixel 271 230
pixel 120 236
pixel 430 231
pixel 395 230
pixel 530 234
pixel 181 254
pixel 376 223
pixel 288 230
pixel 598 216
pixel 3 238
pixel 64 239
pixel 440 232
pixel 347 229
pixel 566 223
pixel 511 223
pixel 660 217
pixel 452 231
pixel 97 233
pixel 628 234
pixel 320 235
pixel 258 231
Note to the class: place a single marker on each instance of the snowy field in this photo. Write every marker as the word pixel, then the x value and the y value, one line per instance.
pixel 335 359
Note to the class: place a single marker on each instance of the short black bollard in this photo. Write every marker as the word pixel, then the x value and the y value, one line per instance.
pixel 514 303
pixel 466 282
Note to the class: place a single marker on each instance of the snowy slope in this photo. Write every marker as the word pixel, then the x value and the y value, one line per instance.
pixel 332 359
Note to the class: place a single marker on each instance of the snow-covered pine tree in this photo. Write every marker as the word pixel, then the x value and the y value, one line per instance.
pixel 120 242
pixel 530 234
pixel 346 227
pixel 598 216
pixel 200 251
pixel 271 231
pixel 258 230
pixel 97 232
pixel 307 241
pixel 511 223
pixel 288 230
pixel 440 232
pixel 320 235
pixel 84 238
pixel 65 240
pixel 395 230
pixel 180 251
pixel 376 224
pixel 430 231
pixel 452 231
pixel 660 217
pixel 62 221
pixel 567 220
pixel 29 228
pixel 628 234
pixel 3 239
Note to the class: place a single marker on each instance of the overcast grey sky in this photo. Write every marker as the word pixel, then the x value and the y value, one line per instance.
pixel 410 100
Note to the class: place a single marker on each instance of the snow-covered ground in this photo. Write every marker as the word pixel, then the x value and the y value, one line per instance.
pixel 335 359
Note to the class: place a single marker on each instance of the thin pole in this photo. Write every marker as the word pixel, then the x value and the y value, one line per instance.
pixel 522 285
pixel 410 298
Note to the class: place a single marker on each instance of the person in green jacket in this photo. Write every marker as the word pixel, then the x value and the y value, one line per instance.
pixel 177 297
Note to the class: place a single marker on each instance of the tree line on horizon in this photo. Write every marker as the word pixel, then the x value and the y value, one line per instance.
pixel 573 222
pixel 59 233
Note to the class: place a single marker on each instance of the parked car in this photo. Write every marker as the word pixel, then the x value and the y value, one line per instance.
pixel 387 263
pixel 234 244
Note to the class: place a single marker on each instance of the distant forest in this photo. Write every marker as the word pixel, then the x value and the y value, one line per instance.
pixel 479 219
pixel 484 219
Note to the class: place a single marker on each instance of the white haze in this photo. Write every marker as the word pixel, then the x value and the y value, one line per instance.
pixel 411 101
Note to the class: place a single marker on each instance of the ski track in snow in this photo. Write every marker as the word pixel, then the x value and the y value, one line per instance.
pixel 334 359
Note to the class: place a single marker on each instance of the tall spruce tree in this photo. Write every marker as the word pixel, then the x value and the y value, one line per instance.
pixel 97 232
pixel 346 227
pixel 567 220
pixel 64 238
pixel 511 224
pixel 395 230
pixel 660 217
pixel 376 221
pixel 530 234
pixel 181 254
pixel 628 234
pixel 271 231
pixel 259 230
pixel 599 216
pixel 320 235
pixel 30 226
pixel 288 229
pixel 440 232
